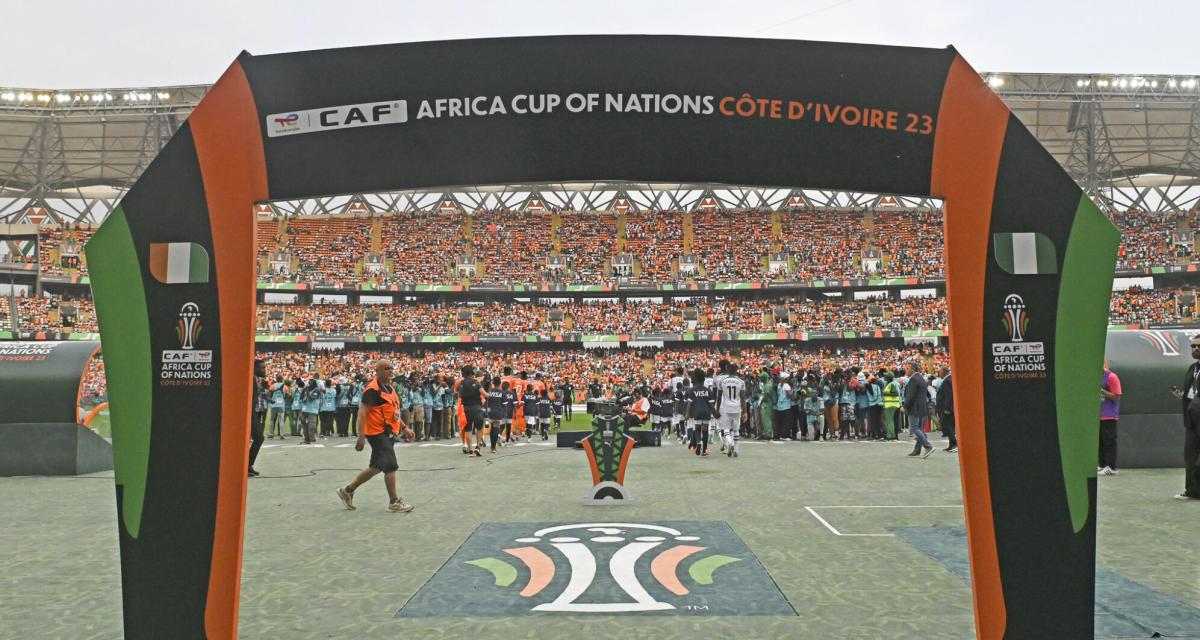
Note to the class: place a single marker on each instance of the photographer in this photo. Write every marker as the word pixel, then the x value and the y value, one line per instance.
pixel 1190 395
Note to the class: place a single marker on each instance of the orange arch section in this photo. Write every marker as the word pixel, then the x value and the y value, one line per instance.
pixel 541 569
pixel 663 567
pixel 972 122
pixel 233 165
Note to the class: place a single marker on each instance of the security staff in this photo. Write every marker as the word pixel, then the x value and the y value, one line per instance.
pixel 377 415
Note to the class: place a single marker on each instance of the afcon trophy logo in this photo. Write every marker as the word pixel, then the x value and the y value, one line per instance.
pixel 621 591
pixel 1015 318
pixel 188 329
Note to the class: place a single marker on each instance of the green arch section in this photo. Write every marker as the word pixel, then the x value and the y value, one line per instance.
pixel 504 573
pixel 702 569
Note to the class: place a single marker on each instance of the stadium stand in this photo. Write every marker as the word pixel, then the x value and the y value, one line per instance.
pixel 60 249
pixel 421 246
pixel 732 245
pixel 655 240
pixel 327 249
pixel 513 246
pixel 588 240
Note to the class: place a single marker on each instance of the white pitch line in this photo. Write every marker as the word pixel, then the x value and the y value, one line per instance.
pixel 835 532
pixel 823 521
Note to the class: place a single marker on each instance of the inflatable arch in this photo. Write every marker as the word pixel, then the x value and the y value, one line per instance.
pixel 1029 262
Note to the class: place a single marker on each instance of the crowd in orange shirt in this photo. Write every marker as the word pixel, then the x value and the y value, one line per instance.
pixel 1152 307
pixel 655 240
pixel 422 247
pixel 732 245
pixel 65 240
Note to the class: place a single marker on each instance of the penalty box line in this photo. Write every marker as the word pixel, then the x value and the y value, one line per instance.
pixel 834 531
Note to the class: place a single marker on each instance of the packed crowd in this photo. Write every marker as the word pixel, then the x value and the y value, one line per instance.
pixel 826 244
pixel 621 368
pixel 1152 307
pixel 42 313
pixel 655 240
pixel 329 249
pixel 512 245
pixel 910 243
pixel 589 241
pixel 1146 238
pixel 421 246
pixel 731 245
pixel 57 245
pixel 1147 307
pixel 611 317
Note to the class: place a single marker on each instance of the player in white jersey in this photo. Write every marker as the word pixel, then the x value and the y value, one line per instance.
pixel 715 382
pixel 732 392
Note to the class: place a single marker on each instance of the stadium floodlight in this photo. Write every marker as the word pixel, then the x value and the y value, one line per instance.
pixel 43 97
pixel 97 97
pixel 995 82
pixel 1189 83
pixel 8 95
pixel 62 97
pixel 163 95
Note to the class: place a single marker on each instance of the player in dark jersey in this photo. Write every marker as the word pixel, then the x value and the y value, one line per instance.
pixel 532 416
pixel 471 396
pixel 495 411
pixel 679 404
pixel 700 410
pixel 656 409
pixel 557 409
pixel 507 400
pixel 544 413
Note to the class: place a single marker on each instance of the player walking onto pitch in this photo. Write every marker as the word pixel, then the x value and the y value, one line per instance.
pixel 495 411
pixel 699 412
pixel 471 397
pixel 732 393
pixel 377 415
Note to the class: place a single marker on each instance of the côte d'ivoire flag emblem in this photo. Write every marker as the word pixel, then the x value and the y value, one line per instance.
pixel 1025 253
pixel 178 263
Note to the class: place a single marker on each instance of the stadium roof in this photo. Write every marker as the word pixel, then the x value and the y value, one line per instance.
pixel 76 152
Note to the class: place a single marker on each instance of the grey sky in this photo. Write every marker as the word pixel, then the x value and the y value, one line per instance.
pixel 122 43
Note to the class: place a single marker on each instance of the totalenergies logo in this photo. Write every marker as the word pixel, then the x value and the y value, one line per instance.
pixel 579 551
pixel 288 121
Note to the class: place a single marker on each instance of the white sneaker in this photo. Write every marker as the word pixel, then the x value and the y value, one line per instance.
pixel 1106 471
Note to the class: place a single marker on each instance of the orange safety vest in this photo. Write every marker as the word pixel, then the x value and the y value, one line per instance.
pixel 641 408
pixel 381 418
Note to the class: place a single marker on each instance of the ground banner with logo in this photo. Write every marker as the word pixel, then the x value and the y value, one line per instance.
pixel 660 568
pixel 841 116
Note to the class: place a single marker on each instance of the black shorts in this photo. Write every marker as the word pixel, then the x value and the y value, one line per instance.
pixel 474 418
pixel 383 455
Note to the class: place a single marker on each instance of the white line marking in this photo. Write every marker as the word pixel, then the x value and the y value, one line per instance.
pixel 823 521
pixel 835 532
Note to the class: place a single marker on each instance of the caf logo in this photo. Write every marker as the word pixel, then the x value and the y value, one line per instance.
pixel 1015 318
pixel 188 328
pixel 583 566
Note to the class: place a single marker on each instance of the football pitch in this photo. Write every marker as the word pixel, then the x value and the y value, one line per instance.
pixel 790 540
